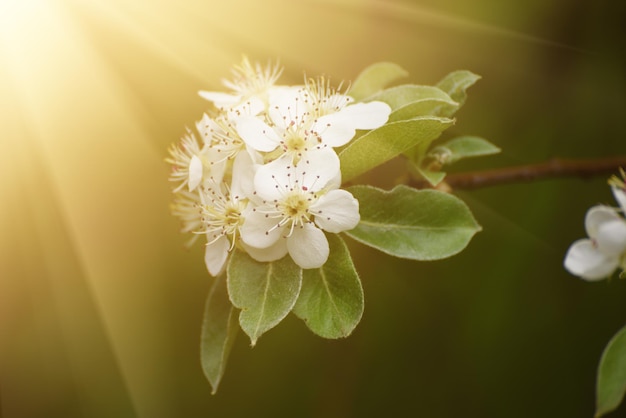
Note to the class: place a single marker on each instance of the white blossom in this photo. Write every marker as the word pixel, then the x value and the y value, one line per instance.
pixel 292 205
pixel 264 177
pixel 220 135
pixel 182 157
pixel 221 212
pixel 598 256
pixel 249 86
pixel 192 163
pixel 309 119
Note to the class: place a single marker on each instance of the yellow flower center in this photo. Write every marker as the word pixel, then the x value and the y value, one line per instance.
pixel 232 216
pixel 296 207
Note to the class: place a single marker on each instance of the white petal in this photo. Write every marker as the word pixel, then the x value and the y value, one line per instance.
pixel 220 99
pixel 259 230
pixel 257 134
pixel 274 252
pixel 596 216
pixel 195 172
pixel 611 237
pixel 214 164
pixel 273 180
pixel 334 129
pixel 308 246
pixel 242 184
pixel 286 105
pixel 215 255
pixel 313 173
pixel 336 211
pixel 205 126
pixel 252 106
pixel 318 168
pixel 583 259
pixel 370 115
pixel 335 182
pixel 620 196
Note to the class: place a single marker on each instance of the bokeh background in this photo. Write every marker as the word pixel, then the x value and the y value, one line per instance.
pixel 100 305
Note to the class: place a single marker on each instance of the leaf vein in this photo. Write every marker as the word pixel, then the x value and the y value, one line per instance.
pixel 413 227
pixel 330 297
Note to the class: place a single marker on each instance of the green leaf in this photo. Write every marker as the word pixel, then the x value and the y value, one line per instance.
pixel 433 177
pixel 409 101
pixel 456 83
pixel 375 78
pixel 331 299
pixel 611 384
pixel 414 224
pixel 219 329
pixel 425 107
pixel 382 144
pixel 265 292
pixel 463 147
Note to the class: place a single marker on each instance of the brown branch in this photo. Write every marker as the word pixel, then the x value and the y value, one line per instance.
pixel 555 167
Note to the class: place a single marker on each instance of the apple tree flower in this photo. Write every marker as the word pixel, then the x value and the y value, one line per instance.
pixel 219 134
pixel 250 86
pixel 193 163
pixel 186 163
pixel 221 213
pixel 604 251
pixel 295 204
pixel 309 119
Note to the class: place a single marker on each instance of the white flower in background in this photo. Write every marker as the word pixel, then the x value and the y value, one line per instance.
pixel 221 215
pixel 192 163
pixel 220 135
pixel 309 119
pixel 221 211
pixel 292 205
pixel 598 256
pixel 184 160
pixel 250 86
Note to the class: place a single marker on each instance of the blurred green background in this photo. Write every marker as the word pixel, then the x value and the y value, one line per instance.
pixel 100 305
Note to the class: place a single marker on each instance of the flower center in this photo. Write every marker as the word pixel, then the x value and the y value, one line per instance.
pixel 232 216
pixel 224 218
pixel 295 143
pixel 296 207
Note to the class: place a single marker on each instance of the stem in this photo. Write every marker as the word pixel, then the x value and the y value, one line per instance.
pixel 555 167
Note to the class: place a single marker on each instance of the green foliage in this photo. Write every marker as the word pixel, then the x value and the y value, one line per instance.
pixel 414 224
pixel 382 144
pixel 403 222
pixel 420 170
pixel 454 87
pixel 265 292
pixel 611 384
pixel 331 298
pixel 409 101
pixel 456 83
pixel 429 166
pixel 219 329
pixel 463 147
pixel 375 78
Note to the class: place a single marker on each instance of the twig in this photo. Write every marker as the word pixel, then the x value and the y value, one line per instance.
pixel 555 167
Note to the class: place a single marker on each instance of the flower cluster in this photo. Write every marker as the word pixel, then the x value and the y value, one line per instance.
pixel 265 176
pixel 598 256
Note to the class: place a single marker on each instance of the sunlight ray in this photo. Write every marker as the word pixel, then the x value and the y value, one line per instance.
pixel 158 29
pixel 417 14
pixel 80 148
